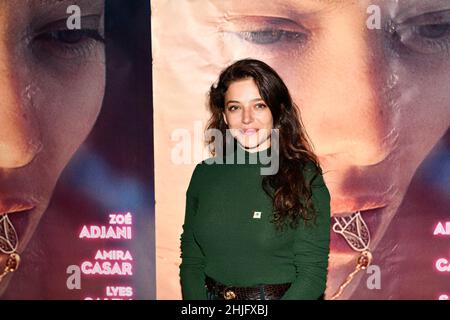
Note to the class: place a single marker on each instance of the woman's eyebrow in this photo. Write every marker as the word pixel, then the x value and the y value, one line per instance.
pixel 331 4
pixel 67 3
pixel 424 6
pixel 252 100
pixel 292 8
pixel 332 1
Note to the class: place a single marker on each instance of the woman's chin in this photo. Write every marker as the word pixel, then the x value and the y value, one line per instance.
pixel 252 145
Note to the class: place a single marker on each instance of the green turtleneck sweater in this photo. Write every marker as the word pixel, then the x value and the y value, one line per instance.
pixel 224 239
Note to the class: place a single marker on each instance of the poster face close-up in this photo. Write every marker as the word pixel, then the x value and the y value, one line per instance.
pixel 76 151
pixel 370 79
pixel 106 192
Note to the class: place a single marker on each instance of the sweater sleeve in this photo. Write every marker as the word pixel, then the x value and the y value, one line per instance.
pixel 312 247
pixel 192 258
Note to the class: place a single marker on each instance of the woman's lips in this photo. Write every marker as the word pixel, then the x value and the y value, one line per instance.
pixel 249 132
pixel 13 205
pixel 346 206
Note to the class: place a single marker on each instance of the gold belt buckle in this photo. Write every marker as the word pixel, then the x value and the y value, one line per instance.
pixel 229 294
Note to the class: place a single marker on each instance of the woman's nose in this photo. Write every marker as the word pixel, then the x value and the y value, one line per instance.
pixel 19 134
pixel 353 122
pixel 247 116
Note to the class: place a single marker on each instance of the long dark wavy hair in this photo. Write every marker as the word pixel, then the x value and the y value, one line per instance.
pixel 290 192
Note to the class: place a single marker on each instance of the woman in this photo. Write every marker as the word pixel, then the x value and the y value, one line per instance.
pixel 52 86
pixel 247 236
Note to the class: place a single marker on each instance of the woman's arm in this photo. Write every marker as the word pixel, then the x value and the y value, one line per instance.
pixel 312 247
pixel 192 263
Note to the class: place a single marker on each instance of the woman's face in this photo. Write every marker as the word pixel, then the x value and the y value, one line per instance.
pixel 374 101
pixel 52 86
pixel 247 115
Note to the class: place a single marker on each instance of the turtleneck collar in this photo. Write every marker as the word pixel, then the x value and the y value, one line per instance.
pixel 239 155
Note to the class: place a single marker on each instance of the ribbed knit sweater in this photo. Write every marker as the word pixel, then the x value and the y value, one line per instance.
pixel 227 233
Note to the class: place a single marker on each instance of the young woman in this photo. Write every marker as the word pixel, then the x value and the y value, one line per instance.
pixel 248 235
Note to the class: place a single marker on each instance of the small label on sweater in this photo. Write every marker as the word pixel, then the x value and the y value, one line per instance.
pixel 256 214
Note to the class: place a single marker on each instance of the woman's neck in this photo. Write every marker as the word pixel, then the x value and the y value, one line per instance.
pixel 263 146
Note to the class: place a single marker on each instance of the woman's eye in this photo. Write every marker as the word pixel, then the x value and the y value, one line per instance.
pixel 55 40
pixel 70 36
pixel 265 37
pixel 260 106
pixel 264 30
pixel 427 34
pixel 433 30
pixel 232 108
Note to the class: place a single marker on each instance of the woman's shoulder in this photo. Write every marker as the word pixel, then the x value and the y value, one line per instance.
pixel 311 167
pixel 313 172
pixel 203 174
pixel 206 166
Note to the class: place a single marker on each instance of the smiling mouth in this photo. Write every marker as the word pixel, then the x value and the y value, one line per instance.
pixel 249 132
